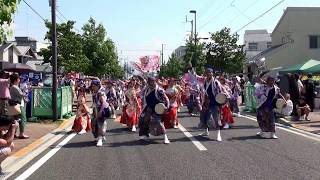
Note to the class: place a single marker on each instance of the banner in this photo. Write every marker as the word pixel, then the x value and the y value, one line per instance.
pixel 147 64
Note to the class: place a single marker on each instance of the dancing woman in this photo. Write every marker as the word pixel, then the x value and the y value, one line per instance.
pixel 170 118
pixel 227 118
pixel 131 107
pixel 82 123
pixel 266 93
pixel 101 112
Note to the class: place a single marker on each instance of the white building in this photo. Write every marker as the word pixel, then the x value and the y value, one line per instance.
pixel 255 41
pixel 180 52
pixel 9 53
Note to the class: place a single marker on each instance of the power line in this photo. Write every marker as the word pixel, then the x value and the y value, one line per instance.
pixel 66 20
pixel 242 12
pixel 260 15
pixel 36 12
pixel 62 15
pixel 246 16
pixel 217 14
pixel 208 5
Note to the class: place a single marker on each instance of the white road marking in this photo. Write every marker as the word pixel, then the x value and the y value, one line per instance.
pixel 193 140
pixel 291 130
pixel 45 158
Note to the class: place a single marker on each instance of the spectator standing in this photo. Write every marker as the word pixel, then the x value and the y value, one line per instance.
pixel 300 84
pixel 309 91
pixel 294 91
pixel 18 97
pixel 4 92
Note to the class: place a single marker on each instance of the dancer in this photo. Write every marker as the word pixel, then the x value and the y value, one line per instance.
pixel 227 118
pixel 111 98
pixel 82 122
pixel 210 107
pixel 131 107
pixel 236 91
pixel 265 93
pixel 101 111
pixel 170 118
pixel 150 121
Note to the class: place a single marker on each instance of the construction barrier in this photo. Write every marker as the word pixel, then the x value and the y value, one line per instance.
pixel 41 102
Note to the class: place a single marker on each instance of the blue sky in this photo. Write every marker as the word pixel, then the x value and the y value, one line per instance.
pixel 139 27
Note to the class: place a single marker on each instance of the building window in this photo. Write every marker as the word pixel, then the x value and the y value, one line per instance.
pixel 253 46
pixel 269 44
pixel 314 42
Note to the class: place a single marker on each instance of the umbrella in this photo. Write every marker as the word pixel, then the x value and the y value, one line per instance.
pixel 19 68
pixel 303 67
pixel 315 69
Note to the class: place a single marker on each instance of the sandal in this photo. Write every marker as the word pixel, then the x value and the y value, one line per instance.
pixel 23 137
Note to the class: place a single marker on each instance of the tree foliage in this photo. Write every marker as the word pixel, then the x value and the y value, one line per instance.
pixel 100 50
pixel 70 48
pixel 223 52
pixel 7 9
pixel 195 55
pixel 173 68
pixel 90 52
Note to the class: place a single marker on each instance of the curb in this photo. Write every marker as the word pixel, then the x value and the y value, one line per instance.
pixel 284 122
pixel 19 155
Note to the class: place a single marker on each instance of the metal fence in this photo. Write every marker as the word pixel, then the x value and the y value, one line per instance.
pixel 42 102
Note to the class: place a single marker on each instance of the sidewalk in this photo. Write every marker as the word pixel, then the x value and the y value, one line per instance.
pixel 312 126
pixel 35 131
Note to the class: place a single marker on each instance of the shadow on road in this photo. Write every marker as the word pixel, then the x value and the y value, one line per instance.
pixel 80 144
pixel 244 138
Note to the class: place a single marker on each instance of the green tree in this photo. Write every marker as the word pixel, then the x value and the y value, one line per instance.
pixel 7 9
pixel 100 50
pixel 70 48
pixel 173 68
pixel 223 52
pixel 195 55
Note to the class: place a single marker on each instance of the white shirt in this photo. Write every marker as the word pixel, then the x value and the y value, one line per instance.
pixel 287 110
pixel 300 85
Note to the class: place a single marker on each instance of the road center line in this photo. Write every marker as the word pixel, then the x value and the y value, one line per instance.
pixel 45 158
pixel 193 139
pixel 291 130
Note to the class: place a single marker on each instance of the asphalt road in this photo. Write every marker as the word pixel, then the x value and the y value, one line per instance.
pixel 241 155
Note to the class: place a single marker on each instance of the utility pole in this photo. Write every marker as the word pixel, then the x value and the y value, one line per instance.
pixel 195 36
pixel 54 60
pixel 191 36
pixel 162 61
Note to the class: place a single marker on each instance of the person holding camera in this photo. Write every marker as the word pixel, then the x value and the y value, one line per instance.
pixel 4 93
pixel 8 126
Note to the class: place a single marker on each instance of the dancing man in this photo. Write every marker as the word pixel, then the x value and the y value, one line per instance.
pixel 150 121
pixel 210 107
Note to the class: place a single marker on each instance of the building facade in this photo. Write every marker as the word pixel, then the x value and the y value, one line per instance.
pixel 295 39
pixel 255 42
pixel 180 52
